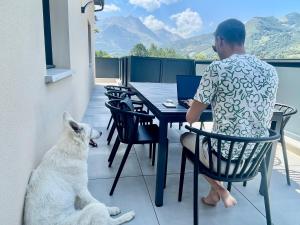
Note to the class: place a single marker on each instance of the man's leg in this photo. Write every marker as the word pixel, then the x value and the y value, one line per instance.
pixel 212 198
pixel 218 188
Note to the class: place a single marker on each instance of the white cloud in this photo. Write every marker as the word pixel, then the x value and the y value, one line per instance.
pixel 167 2
pixel 111 8
pixel 187 23
pixel 151 5
pixel 153 24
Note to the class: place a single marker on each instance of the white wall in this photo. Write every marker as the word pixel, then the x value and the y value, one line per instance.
pixel 30 110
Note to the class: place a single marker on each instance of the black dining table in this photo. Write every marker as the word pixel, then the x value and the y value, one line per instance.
pixel 153 96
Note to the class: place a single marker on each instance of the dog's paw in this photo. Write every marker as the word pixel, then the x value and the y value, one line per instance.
pixel 114 211
pixel 130 215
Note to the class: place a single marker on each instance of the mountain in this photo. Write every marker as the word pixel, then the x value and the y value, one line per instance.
pixel 118 35
pixel 267 37
pixel 116 40
pixel 166 36
pixel 270 37
pixel 292 19
pixel 193 45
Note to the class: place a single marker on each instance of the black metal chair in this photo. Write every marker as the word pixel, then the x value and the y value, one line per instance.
pixel 117 94
pixel 130 131
pixel 228 168
pixel 121 89
pixel 287 111
pixel 138 107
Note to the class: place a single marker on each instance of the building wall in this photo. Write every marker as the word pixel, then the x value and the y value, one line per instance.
pixel 30 110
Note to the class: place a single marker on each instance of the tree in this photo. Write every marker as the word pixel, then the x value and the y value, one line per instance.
pixel 153 51
pixel 103 54
pixel 200 56
pixel 139 50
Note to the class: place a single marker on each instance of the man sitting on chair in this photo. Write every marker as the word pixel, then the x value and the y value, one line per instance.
pixel 242 92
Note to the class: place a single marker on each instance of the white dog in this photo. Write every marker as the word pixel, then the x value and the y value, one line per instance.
pixel 57 193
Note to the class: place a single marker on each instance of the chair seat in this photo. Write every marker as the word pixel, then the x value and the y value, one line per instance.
pixel 188 140
pixel 147 134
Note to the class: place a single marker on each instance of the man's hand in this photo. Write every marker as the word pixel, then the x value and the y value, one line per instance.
pixel 195 110
pixel 190 102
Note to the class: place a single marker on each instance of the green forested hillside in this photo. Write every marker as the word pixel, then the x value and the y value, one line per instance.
pixel 267 37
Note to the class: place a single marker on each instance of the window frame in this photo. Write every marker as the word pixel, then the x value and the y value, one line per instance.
pixel 47 34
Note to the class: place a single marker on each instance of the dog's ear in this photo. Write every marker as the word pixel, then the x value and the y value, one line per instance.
pixel 67 117
pixel 75 127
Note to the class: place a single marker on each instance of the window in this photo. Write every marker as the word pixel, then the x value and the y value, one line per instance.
pixel 90 43
pixel 47 34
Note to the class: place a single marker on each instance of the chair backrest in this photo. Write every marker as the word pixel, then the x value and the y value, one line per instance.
pixel 117 94
pixel 238 165
pixel 116 87
pixel 125 118
pixel 287 111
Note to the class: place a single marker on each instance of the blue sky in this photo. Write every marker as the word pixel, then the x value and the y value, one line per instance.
pixel 191 17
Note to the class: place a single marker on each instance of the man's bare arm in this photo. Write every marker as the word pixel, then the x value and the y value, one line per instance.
pixel 195 110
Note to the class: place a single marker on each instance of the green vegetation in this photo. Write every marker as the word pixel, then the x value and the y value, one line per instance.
pixel 139 50
pixel 103 54
pixel 201 56
pixel 154 51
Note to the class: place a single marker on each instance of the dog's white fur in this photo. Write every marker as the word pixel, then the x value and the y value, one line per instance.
pixel 57 193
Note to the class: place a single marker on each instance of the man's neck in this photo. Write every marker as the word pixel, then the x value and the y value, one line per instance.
pixel 239 50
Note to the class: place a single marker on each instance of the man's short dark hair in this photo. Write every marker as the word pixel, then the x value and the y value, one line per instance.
pixel 232 31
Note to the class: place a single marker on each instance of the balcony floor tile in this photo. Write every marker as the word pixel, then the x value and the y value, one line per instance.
pixel 136 187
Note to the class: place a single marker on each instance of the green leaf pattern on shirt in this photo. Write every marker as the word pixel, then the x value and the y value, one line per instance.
pixel 242 91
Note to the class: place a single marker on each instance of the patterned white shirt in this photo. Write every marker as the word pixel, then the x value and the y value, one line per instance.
pixel 242 92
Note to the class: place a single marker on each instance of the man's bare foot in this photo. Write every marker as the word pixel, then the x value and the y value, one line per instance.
pixel 211 199
pixel 227 198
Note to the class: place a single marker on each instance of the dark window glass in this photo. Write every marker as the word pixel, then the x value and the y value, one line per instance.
pixel 47 34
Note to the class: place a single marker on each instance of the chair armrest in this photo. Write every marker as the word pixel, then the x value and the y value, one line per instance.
pixel 136 102
pixel 273 136
pixel 138 105
pixel 115 87
pixel 143 116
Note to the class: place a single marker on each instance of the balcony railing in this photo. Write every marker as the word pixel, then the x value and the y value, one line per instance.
pixel 150 69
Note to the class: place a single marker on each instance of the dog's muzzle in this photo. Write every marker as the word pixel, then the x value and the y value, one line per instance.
pixel 94 135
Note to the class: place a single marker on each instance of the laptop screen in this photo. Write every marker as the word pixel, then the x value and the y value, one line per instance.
pixel 187 86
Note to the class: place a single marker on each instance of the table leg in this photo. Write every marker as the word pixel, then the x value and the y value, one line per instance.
pixel 161 162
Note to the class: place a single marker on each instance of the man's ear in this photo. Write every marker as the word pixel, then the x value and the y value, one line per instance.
pixel 75 127
pixel 221 41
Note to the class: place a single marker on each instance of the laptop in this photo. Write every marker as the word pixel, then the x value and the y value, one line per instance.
pixel 187 86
